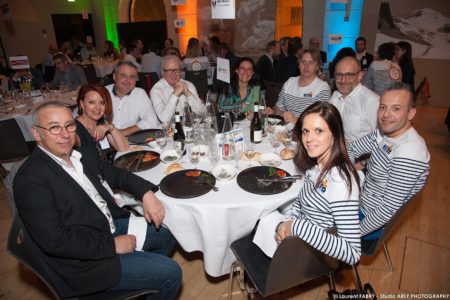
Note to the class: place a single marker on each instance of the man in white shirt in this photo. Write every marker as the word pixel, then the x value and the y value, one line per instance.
pixel 171 92
pixel 132 109
pixel 357 104
pixel 151 62
pixel 133 56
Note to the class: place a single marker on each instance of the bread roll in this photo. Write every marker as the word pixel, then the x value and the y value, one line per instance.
pixel 173 168
pixel 254 158
pixel 287 153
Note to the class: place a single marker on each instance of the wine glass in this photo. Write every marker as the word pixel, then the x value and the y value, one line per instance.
pixel 286 138
pixel 275 141
pixel 249 152
pixel 237 154
pixel 194 155
pixel 236 110
pixel 161 140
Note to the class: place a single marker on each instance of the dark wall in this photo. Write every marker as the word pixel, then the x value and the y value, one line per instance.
pixel 154 31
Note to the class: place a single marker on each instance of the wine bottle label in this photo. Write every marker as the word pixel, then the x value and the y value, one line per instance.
pixel 257 136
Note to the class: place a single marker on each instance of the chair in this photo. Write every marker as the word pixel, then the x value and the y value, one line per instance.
pixel 147 80
pixel 14 145
pixel 199 79
pixel 294 262
pixel 89 71
pixel 21 246
pixel 371 247
pixel 273 89
pixel 49 73
pixel 107 80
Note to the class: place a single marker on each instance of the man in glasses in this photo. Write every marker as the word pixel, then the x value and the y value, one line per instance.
pixel 66 203
pixel 171 92
pixel 132 109
pixel 67 74
pixel 357 104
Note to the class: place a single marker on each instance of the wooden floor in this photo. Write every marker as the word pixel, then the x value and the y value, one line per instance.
pixel 419 247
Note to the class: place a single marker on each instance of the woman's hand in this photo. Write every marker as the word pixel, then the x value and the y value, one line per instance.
pixel 102 130
pixel 284 230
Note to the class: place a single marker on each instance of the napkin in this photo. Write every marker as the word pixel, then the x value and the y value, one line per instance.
pixel 137 226
pixel 265 233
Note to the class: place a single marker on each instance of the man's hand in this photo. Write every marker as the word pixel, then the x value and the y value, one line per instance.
pixel 289 117
pixel 179 88
pixel 125 243
pixel 153 209
pixel 284 230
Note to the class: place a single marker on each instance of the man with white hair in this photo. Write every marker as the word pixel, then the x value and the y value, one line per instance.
pixel 171 92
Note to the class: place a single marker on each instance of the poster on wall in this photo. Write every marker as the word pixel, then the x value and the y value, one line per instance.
pixel 426 29
pixel 223 9
pixel 334 39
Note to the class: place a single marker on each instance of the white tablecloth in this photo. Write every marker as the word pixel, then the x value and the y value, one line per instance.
pixel 104 68
pixel 210 223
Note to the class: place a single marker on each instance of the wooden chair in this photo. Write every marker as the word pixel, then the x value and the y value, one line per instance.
pixel 294 262
pixel 273 89
pixel 21 246
pixel 147 80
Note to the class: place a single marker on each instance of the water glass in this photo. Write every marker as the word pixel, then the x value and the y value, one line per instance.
pixel 194 155
pixel 275 141
pixel 161 140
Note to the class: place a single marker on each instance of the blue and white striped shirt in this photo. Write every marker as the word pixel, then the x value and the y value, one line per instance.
pixel 295 99
pixel 330 205
pixel 398 168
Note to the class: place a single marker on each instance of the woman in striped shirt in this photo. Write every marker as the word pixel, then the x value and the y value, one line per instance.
pixel 329 197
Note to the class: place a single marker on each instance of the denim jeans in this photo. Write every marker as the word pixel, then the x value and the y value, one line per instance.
pixel 150 268
pixel 374 235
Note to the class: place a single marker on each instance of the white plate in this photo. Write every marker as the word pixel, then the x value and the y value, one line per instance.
pixel 153 144
pixel 270 160
pixel 169 156
pixel 224 172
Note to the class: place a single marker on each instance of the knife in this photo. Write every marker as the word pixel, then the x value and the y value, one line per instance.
pixel 279 179
pixel 139 161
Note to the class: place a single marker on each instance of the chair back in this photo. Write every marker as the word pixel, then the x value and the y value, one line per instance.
pixel 14 145
pixel 370 247
pixel 273 89
pixel 294 262
pixel 199 79
pixel 89 71
pixel 107 80
pixel 147 80
pixel 49 73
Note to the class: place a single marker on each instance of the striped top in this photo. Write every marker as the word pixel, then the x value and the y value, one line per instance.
pixel 377 77
pixel 330 205
pixel 398 168
pixel 295 99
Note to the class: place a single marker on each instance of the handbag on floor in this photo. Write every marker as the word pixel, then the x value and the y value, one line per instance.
pixel 354 294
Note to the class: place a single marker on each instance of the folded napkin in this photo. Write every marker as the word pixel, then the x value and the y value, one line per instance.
pixel 265 233
pixel 137 226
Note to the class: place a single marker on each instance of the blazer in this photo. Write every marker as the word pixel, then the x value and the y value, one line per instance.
pixel 265 70
pixel 366 60
pixel 72 232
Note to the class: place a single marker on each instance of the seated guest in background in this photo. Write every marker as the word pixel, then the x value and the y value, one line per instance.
pixel 214 49
pixel 151 61
pixel 244 87
pixel 70 75
pixel 329 196
pixel 138 44
pixel 133 55
pixel 95 132
pixel 171 92
pixel 168 44
pixel 364 58
pixel 284 41
pixel 343 52
pixel 122 49
pixel 132 109
pixel 300 92
pixel 194 60
pixel 67 50
pixel 399 163
pixel 110 51
pixel 48 59
pixel 383 71
pixel 357 104
pixel 65 200
pixel 225 52
pixel 88 51
pixel 288 66
pixel 314 43
pixel 265 67
pixel 403 56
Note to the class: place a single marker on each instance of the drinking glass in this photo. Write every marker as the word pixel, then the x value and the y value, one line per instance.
pixel 275 141
pixel 237 154
pixel 214 156
pixel 161 140
pixel 286 138
pixel 194 155
pixel 249 152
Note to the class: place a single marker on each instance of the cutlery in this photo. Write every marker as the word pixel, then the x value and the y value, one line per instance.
pixel 279 179
pixel 139 161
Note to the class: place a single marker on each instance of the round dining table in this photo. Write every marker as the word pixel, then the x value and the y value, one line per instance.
pixel 211 222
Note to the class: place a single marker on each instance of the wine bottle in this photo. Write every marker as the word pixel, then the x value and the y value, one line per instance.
pixel 179 133
pixel 256 126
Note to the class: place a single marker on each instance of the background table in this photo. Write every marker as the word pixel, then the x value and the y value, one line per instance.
pixel 210 223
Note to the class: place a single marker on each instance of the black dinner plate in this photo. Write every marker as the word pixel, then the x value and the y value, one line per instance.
pixel 130 161
pixel 247 180
pixel 141 136
pixel 180 185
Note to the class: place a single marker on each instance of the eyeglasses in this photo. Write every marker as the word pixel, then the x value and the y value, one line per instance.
pixel 172 71
pixel 340 76
pixel 56 130
pixel 125 76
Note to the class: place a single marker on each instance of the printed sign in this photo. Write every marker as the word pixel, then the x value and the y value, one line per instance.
pixel 19 62
pixel 223 69
pixel 334 39
pixel 223 9
pixel 178 2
